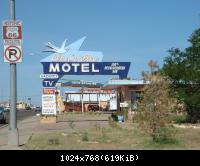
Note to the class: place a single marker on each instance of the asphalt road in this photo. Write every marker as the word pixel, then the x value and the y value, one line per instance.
pixel 21 114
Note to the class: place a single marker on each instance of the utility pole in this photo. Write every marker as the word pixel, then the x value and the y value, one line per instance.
pixel 13 135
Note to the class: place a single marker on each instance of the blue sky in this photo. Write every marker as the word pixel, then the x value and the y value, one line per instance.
pixel 124 30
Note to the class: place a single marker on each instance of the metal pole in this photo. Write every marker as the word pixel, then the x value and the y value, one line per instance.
pixel 13 136
pixel 82 105
pixel 99 100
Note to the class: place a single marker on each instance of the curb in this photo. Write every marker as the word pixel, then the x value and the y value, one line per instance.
pixel 4 126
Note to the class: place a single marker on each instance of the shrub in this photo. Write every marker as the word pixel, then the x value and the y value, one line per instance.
pixel 155 109
pixel 180 119
pixel 85 137
pixel 53 141
pixel 164 135
pixel 193 114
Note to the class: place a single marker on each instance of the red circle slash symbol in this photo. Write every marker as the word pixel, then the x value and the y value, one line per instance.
pixel 13 54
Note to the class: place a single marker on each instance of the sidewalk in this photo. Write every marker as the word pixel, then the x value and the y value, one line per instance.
pixel 25 128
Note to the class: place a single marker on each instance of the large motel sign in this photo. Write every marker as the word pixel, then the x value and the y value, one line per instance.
pixel 69 60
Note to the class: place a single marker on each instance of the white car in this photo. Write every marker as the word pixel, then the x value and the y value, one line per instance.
pixel 38 109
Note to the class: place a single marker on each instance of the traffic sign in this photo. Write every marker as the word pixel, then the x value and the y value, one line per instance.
pixel 12 29
pixel 12 33
pixel 12 54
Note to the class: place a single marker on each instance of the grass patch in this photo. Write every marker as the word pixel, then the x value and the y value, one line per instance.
pixel 107 138
pixel 53 141
pixel 163 144
pixel 85 137
pixel 116 136
pixel 180 119
pixel 164 141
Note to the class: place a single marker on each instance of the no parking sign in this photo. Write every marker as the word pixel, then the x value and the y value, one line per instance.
pixel 12 54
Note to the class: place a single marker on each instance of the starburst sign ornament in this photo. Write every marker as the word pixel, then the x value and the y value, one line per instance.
pixel 71 53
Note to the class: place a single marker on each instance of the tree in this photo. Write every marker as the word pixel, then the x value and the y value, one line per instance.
pixel 153 65
pixel 183 69
pixel 156 108
pixel 153 70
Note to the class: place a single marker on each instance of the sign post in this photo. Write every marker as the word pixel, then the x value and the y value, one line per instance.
pixel 12 53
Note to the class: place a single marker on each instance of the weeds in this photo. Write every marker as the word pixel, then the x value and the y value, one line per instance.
pixel 181 119
pixel 71 124
pixel 85 137
pixel 53 141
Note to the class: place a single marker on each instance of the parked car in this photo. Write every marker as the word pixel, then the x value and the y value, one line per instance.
pixel 7 109
pixel 38 109
pixel 2 115
pixel 28 108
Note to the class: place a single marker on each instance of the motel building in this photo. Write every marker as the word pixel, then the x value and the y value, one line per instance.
pixel 112 96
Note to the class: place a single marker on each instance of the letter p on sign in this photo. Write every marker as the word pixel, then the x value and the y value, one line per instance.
pixel 12 54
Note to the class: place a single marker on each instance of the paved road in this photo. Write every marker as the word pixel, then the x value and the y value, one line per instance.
pixel 21 114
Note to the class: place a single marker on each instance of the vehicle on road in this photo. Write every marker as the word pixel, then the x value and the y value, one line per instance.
pixel 28 108
pixel 38 109
pixel 2 115
pixel 7 109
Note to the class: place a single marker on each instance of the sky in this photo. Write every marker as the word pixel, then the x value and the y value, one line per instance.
pixel 134 31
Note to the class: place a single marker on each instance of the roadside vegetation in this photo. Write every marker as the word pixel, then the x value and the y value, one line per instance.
pixel 156 109
pixel 183 69
pixel 117 136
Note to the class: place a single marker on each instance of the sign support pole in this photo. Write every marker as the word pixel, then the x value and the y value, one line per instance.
pixel 82 105
pixel 13 135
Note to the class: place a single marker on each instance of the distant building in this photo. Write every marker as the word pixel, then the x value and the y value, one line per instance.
pixel 21 105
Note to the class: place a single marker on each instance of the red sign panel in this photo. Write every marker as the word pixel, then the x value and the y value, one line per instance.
pixel 12 30
pixel 48 91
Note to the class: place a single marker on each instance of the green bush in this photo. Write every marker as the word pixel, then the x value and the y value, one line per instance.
pixel 180 119
pixel 53 141
pixel 85 137
pixel 165 136
pixel 193 114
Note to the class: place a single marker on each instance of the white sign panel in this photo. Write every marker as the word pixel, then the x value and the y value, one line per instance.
pixel 48 104
pixel 12 54
pixel 113 104
pixel 48 76
pixel 125 104
pixel 48 101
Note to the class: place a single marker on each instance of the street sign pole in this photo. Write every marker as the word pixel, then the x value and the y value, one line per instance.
pixel 13 135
